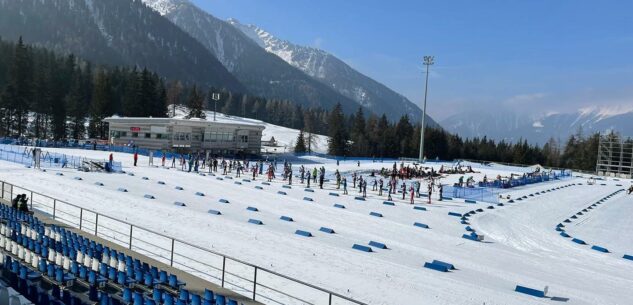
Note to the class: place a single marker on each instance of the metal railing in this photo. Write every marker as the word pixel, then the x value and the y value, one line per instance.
pixel 257 283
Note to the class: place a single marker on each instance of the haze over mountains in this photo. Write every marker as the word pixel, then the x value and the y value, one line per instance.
pixel 505 124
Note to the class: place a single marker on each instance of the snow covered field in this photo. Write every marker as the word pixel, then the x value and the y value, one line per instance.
pixel 521 246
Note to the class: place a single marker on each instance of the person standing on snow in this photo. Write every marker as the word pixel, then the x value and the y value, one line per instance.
pixel 162 159
pixel 344 181
pixel 430 192
pixel 412 192
pixel 135 158
pixel 404 189
pixel 440 190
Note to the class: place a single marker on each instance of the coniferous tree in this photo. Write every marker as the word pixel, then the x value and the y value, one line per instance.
pixel 337 144
pixel 196 101
pixel 300 146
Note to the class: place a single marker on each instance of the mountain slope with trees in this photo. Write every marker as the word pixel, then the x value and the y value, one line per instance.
pixel 114 32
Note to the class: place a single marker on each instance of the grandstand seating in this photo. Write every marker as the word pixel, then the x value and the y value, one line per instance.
pixel 49 264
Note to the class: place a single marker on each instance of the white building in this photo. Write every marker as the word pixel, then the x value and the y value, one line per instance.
pixel 187 135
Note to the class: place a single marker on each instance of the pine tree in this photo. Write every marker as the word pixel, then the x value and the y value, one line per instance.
pixel 300 146
pixel 337 144
pixel 196 101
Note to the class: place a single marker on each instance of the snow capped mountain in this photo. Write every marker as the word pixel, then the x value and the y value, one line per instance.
pixel 512 126
pixel 262 73
pixel 334 73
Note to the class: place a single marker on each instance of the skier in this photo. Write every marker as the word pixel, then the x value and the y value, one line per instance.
pixel 309 176
pixel 151 157
pixel 364 189
pixel 412 191
pixel 111 159
pixel 440 190
pixel 374 185
pixel 173 161
pixel 135 158
pixel 344 181
pixel 162 160
pixel 380 183
pixel 314 174
pixel 430 192
pixel 321 179
pixel 404 189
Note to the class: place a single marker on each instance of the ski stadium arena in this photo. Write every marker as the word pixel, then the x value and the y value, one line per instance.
pixel 154 235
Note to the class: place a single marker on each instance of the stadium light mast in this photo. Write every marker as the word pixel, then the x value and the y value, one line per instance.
pixel 428 61
pixel 215 97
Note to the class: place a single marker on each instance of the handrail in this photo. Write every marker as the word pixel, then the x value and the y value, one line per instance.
pixel 172 251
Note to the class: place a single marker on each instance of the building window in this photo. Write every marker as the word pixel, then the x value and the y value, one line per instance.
pixel 159 136
pixel 244 139
pixel 135 135
pixel 181 136
pixel 196 137
pixel 123 133
pixel 148 135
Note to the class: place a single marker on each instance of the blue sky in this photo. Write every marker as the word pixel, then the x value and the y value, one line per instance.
pixel 535 56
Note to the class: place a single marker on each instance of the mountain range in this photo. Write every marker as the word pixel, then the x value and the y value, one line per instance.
pixel 512 126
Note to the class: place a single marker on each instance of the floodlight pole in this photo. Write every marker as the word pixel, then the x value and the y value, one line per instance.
pixel 428 61
pixel 215 97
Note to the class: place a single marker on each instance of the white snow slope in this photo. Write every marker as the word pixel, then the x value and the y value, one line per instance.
pixel 520 247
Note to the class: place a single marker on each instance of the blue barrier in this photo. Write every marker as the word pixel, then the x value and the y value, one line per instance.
pixel 161 182
pixel 559 229
pixel 500 204
pixel 359 198
pixel 309 190
pixel 200 194
pixel 563 234
pixel 629 257
pixel 375 214
pixel 281 193
pixel 421 225
pixel 255 221
pixel 464 222
pixel 361 248
pixel 308 199
pixel 574 217
pixel 480 210
pixel 145 178
pixel 579 213
pixel 130 174
pixel 419 208
pixel 470 201
pixel 286 186
pixel 567 220
pixel 303 233
pixel 326 230
pixel 59 174
pixel 259 187
pixel 511 201
pixel 598 248
pixel 334 194
pixel 473 236
pixel 237 182
pixel 148 196
pixel 286 218
pixel 491 207
pixel 454 214
pixel 122 190
pixel 179 188
pixel 441 263
pixel 530 291
pixel 78 178
pixel 254 209
pixel 223 201
pixel 180 204
pixel 378 245
pixel 436 267
pixel 388 203
pixel 215 212
pixel 246 180
pixel 340 206
pixel 469 229
pixel 579 241
pixel 98 184
pixel 266 183
pixel 219 178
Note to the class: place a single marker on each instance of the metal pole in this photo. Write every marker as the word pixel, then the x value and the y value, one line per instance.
pixel 96 223
pixel 81 217
pixel 131 227
pixel 223 269
pixel 215 108
pixel 428 60
pixel 255 283
pixel 171 260
pixel 31 200
pixel 54 207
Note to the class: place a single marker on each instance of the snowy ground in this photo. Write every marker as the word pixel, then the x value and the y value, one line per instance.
pixel 521 245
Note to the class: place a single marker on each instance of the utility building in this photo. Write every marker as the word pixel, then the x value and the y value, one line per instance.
pixel 615 156
pixel 223 137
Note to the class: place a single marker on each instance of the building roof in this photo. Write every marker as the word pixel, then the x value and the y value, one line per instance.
pixel 221 120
